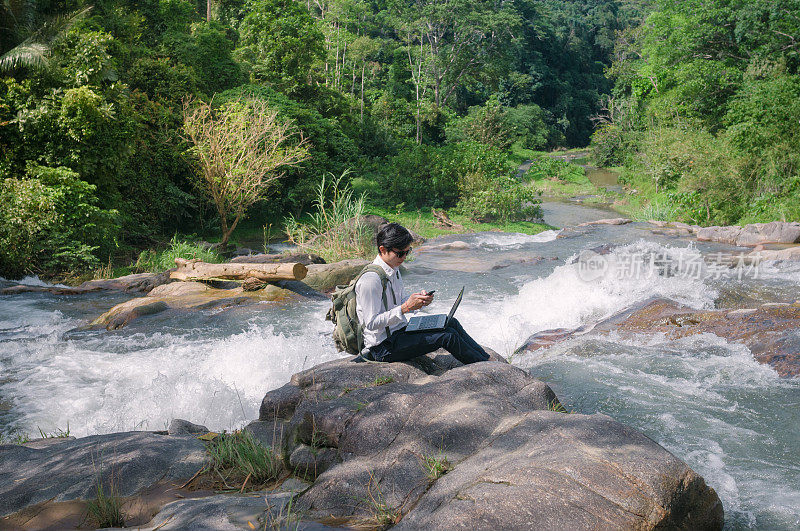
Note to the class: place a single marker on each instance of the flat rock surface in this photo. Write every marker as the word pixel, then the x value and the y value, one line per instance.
pixel 134 461
pixel 187 296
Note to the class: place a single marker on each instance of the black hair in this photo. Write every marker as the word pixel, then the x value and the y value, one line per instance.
pixel 393 236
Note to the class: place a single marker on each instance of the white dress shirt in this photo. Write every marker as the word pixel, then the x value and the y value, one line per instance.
pixel 369 303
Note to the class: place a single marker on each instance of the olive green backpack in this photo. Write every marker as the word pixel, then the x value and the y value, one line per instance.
pixel 348 333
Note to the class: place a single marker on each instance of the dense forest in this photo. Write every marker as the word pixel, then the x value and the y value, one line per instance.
pixel 705 110
pixel 418 103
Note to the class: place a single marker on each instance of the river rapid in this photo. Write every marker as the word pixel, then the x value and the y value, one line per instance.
pixel 733 420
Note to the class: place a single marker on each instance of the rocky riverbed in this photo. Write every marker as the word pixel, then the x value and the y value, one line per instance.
pixel 360 435
pixel 689 343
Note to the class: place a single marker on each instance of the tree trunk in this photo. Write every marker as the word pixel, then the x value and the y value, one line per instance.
pixel 197 270
pixel 363 66
pixel 208 10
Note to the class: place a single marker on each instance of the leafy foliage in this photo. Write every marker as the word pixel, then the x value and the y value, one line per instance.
pixel 50 221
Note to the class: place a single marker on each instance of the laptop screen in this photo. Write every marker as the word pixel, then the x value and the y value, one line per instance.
pixel 455 305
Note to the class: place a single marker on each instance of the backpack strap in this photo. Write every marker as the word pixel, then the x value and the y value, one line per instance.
pixel 375 268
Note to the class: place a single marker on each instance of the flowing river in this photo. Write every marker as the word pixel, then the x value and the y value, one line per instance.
pixel 730 418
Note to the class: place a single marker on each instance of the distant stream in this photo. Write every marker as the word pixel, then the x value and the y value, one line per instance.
pixel 730 418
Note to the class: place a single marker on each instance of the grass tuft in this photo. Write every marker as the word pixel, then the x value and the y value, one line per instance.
pixel 435 466
pixel 556 406
pixel 105 509
pixel 381 514
pixel 239 454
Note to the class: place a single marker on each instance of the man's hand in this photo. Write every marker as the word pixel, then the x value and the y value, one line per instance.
pixel 417 301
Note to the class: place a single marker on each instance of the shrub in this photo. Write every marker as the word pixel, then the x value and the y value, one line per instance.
pixel 607 145
pixel 528 125
pixel 487 124
pixel 503 200
pixel 50 223
pixel 698 171
pixel 156 261
pixel 545 167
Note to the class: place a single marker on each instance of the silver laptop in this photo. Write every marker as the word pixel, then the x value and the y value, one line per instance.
pixel 432 323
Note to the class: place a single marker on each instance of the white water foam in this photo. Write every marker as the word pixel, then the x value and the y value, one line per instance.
pixel 707 401
pixel 143 381
pixel 32 281
pixel 565 300
pixel 513 240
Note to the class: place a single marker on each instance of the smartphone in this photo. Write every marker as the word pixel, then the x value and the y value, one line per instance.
pixel 431 292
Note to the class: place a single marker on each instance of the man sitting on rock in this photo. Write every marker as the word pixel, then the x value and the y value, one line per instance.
pixel 394 244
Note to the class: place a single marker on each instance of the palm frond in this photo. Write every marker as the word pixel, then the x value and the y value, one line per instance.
pixel 32 54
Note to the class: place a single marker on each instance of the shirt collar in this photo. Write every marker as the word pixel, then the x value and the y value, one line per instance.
pixel 386 267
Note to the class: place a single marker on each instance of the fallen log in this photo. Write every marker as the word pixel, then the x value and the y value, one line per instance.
pixel 197 270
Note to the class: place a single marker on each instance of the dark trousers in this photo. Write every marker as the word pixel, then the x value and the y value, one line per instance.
pixel 402 345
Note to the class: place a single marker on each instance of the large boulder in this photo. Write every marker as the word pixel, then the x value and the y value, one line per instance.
pixel 325 277
pixel 754 234
pixel 376 438
pixel 558 471
pixel 71 470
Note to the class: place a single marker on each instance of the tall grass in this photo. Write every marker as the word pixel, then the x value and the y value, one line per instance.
pixel 156 261
pixel 334 230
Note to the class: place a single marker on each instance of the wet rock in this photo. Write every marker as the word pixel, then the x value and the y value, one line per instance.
pixel 325 277
pixel 364 431
pixel 769 331
pixel 138 283
pixel 184 427
pixel 184 296
pixel 790 253
pixel 70 470
pixel 754 234
pixel 304 258
pixel 545 339
pixel 609 221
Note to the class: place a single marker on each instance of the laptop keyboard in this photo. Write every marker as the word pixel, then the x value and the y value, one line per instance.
pixel 429 321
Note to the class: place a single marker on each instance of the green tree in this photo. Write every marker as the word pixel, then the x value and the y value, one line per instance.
pixel 279 43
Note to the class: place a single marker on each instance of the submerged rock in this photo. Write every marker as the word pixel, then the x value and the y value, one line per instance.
pixel 140 282
pixel 769 331
pixel 609 221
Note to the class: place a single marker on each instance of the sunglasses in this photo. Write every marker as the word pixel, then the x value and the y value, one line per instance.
pixel 402 254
